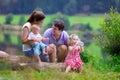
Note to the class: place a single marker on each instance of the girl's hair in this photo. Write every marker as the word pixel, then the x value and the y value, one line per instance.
pixel 36 16
pixel 71 38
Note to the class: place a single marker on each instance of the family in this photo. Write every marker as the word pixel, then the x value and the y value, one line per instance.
pixel 55 45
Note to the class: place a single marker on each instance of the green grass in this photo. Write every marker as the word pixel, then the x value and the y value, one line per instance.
pixel 2 19
pixel 1 37
pixel 14 39
pixel 89 73
pixel 94 49
pixel 93 20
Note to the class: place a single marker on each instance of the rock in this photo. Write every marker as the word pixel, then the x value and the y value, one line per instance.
pixel 38 66
pixel 3 54
pixel 18 62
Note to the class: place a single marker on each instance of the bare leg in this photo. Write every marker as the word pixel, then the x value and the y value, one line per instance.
pixel 68 68
pixel 61 53
pixel 38 58
pixel 52 52
pixel 44 52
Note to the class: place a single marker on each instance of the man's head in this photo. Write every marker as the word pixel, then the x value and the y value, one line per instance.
pixel 58 27
pixel 59 24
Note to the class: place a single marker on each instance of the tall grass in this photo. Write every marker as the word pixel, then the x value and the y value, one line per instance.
pixel 89 73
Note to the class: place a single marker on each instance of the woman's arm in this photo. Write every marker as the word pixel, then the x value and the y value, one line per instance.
pixel 25 33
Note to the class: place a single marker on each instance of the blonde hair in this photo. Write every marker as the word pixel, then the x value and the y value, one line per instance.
pixel 71 38
pixel 35 28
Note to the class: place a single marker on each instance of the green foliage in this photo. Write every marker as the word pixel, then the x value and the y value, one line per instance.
pixel 84 31
pixel 1 37
pixel 9 19
pixel 22 20
pixel 88 73
pixel 14 40
pixel 4 65
pixel 93 20
pixel 115 63
pixel 70 8
pixel 109 37
pixel 85 56
pixel 62 17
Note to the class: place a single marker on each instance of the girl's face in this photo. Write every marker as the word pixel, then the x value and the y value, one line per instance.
pixel 75 39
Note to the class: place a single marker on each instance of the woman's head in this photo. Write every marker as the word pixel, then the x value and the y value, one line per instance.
pixel 36 17
pixel 73 39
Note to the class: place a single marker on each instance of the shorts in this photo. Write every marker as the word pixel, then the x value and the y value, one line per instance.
pixel 44 58
pixel 29 52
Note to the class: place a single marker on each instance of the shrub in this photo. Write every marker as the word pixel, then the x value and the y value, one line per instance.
pixel 9 19
pixel 22 20
pixel 109 37
pixel 86 56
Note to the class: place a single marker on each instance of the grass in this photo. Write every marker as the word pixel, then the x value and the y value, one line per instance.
pixel 89 73
pixel 14 39
pixel 94 49
pixel 1 37
pixel 93 20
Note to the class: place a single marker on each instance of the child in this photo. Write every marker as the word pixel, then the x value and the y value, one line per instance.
pixel 73 60
pixel 38 46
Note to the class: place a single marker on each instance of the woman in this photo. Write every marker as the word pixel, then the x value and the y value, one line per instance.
pixel 37 18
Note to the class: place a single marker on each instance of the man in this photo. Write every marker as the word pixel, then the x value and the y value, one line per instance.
pixel 58 39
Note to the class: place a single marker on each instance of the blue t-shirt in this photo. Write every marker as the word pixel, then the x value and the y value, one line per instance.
pixel 49 34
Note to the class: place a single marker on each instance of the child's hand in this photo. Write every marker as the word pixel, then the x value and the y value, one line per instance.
pixel 45 39
pixel 33 39
pixel 36 39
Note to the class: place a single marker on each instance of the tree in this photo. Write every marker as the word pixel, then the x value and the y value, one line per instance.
pixel 70 7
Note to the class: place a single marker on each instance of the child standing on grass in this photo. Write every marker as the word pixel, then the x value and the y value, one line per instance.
pixel 38 47
pixel 73 60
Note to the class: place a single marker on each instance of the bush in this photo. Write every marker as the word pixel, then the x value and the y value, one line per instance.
pixel 9 19
pixel 85 56
pixel 109 37
pixel 22 20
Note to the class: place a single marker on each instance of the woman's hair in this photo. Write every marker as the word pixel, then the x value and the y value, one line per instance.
pixel 59 24
pixel 36 16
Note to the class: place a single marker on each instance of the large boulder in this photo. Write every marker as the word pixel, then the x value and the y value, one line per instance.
pixel 3 54
pixel 21 62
